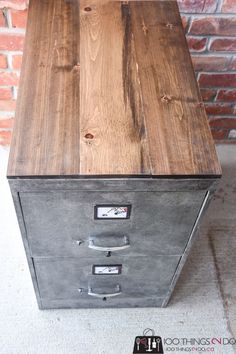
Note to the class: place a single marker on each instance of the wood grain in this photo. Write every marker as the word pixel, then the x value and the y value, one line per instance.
pixel 46 132
pixel 108 88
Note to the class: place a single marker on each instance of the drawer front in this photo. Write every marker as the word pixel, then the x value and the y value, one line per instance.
pixel 74 279
pixel 65 224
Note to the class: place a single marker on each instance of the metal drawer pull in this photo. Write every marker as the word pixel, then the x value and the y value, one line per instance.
pixel 110 249
pixel 92 293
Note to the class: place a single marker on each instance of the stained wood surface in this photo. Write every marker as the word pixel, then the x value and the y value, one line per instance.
pixel 108 88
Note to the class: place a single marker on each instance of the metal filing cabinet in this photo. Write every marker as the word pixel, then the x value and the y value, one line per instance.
pixel 112 162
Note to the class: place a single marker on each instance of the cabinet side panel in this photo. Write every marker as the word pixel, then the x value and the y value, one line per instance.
pixel 189 245
pixel 20 218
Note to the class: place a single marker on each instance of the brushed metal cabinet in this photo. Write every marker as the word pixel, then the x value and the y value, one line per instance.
pixel 61 223
pixel 72 278
pixel 58 224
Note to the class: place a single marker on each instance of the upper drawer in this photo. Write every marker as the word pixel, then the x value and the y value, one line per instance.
pixel 62 223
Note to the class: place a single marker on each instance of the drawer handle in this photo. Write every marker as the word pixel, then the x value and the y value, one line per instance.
pixel 110 249
pixel 92 293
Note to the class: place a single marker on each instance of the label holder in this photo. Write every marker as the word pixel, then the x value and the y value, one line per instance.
pixel 106 268
pixel 127 212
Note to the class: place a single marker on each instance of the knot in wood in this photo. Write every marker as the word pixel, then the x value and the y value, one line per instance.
pixel 170 25
pixel 76 67
pixel 166 98
pixel 145 28
pixel 89 136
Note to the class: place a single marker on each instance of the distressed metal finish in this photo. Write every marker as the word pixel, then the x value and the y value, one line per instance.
pixel 180 183
pixel 21 222
pixel 54 221
pixel 140 277
pixel 189 245
pixel 160 222
pixel 115 302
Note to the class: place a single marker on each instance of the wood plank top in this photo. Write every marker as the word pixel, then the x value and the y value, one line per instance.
pixel 108 89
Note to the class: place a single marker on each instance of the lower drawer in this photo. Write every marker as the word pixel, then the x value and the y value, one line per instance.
pixel 122 278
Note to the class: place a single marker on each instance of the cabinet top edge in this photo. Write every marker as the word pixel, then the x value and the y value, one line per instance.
pixel 115 177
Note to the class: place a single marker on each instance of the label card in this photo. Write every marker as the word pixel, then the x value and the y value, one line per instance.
pixel 112 211
pixel 111 269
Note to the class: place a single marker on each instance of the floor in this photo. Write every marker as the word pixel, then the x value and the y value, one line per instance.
pixel 203 304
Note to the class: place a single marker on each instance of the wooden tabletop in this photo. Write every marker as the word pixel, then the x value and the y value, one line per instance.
pixel 108 88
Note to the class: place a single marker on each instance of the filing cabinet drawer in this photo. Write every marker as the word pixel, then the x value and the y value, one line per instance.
pixel 74 279
pixel 65 223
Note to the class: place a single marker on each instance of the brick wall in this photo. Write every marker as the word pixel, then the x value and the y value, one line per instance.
pixel 13 16
pixel 210 27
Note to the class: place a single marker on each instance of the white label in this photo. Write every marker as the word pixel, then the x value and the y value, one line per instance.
pixel 106 269
pixel 112 212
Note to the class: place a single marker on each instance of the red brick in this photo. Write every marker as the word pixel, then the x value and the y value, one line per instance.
pixel 220 134
pixel 214 26
pixel 226 95
pixel 197 6
pixel 223 123
pixel 11 42
pixel 5 93
pixel 233 65
pixel 6 123
pixel 223 45
pixel 229 6
pixel 19 18
pixel 8 78
pixel 209 63
pixel 218 80
pixel 9 105
pixel 14 4
pixel 3 61
pixel 2 19
pixel 219 108
pixel 16 61
pixel 196 44
pixel 208 94
pixel 5 137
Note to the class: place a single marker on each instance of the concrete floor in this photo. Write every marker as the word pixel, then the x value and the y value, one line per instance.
pixel 203 305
